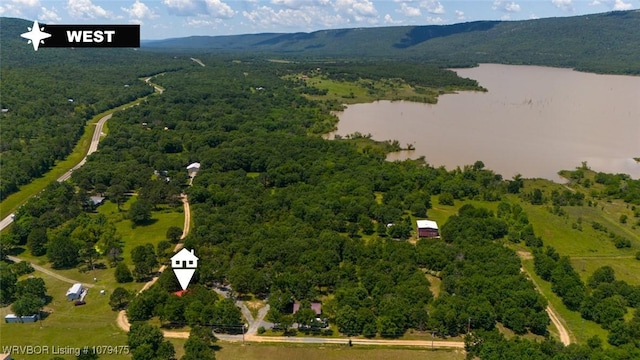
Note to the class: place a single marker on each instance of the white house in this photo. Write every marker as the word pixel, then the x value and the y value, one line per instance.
pixel 193 168
pixel 74 292
pixel 184 259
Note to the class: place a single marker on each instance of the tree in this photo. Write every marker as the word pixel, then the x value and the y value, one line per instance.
pixel 162 248
pixel 166 351
pixel 119 298
pixel 174 233
pixel 304 316
pixel 140 212
pixel 445 199
pixel 142 333
pixel 32 286
pixel 87 354
pixel 196 349
pixel 347 321
pixel 122 273
pixel 8 282
pixel 144 260
pixel 63 253
pixel 37 241
pixel 27 305
pixel 604 274
pixel 116 194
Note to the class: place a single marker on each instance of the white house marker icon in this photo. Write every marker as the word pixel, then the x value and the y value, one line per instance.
pixel 184 264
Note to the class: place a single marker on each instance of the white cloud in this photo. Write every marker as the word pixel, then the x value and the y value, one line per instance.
pixel 432 6
pixel 215 8
pixel 265 16
pixel 219 9
pixel 20 8
pixel 564 5
pixel 139 11
pixel 85 9
pixel 407 10
pixel 435 20
pixel 49 15
pixel 460 15
pixel 356 9
pixel 506 6
pixel 621 5
pixel 595 3
pixel 533 17
pixel 505 17
pixel 389 20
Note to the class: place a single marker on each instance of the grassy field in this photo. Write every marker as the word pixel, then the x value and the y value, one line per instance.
pixel 365 90
pixel 13 201
pixel 71 326
pixel 229 351
pixel 140 235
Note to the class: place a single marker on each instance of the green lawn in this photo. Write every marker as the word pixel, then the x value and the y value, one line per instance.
pixel 365 90
pixel 254 351
pixel 626 268
pixel 140 235
pixel 92 324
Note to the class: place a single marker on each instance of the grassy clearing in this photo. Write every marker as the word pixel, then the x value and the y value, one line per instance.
pixel 140 235
pixel 579 329
pixel 13 201
pixel 92 324
pixel 435 284
pixel 255 351
pixel 366 90
pixel 626 268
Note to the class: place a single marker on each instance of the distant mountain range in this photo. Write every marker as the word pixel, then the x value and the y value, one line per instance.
pixel 607 42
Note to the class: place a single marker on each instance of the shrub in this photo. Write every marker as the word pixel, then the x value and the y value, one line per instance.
pixel 21 268
pixel 445 199
pixel 123 274
pixel 261 330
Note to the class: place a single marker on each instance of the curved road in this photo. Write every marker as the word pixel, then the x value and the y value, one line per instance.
pixel 93 147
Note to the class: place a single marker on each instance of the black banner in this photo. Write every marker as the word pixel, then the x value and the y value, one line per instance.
pixel 116 36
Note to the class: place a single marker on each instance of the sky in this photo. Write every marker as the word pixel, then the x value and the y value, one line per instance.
pixel 161 19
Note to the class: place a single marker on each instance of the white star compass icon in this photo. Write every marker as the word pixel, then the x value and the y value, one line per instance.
pixel 36 35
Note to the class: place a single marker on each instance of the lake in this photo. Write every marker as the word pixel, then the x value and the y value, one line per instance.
pixel 533 120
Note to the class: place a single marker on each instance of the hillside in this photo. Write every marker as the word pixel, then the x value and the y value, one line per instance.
pixel 605 42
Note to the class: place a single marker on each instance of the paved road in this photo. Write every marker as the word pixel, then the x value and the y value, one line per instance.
pixel 50 273
pixel 198 61
pixel 93 147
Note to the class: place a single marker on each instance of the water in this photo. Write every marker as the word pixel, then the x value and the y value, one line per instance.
pixel 533 120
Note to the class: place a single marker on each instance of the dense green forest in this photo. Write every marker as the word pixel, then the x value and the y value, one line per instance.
pixel 605 43
pixel 47 100
pixel 280 213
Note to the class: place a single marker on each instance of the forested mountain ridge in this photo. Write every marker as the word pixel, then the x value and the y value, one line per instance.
pixel 607 42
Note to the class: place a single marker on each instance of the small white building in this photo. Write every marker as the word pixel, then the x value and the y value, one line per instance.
pixel 193 168
pixel 13 318
pixel 75 292
pixel 184 259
